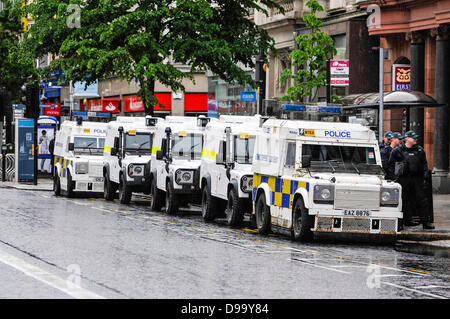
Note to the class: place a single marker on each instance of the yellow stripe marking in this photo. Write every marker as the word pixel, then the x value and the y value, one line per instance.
pixel 419 271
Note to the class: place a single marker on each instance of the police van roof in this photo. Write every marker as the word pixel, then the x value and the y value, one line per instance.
pixel 130 119
pixel 325 131
pixel 240 119
pixel 181 119
pixel 315 125
pixel 86 124
pixel 91 128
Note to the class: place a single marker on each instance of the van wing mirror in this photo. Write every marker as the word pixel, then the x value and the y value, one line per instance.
pixel 71 146
pixel 306 161
pixel 113 151
pixel 159 155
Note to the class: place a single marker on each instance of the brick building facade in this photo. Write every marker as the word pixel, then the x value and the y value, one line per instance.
pixel 417 32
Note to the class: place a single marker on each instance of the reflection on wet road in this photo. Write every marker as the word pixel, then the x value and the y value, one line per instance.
pixel 52 246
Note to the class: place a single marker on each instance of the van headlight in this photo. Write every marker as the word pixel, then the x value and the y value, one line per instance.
pixel 81 168
pixel 389 197
pixel 184 177
pixel 324 194
pixel 247 183
pixel 135 170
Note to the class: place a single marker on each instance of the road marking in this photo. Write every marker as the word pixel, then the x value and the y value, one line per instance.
pixel 47 278
pixel 101 209
pixel 413 290
pixel 250 230
pixel 432 287
pixel 419 271
pixel 343 258
pixel 320 266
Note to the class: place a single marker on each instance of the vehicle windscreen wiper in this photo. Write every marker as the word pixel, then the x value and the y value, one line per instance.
pixel 143 144
pixel 332 167
pixel 356 168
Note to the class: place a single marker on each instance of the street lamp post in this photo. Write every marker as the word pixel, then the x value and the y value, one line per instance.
pixel 381 102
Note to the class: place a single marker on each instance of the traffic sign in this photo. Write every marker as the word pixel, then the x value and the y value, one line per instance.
pixel 248 96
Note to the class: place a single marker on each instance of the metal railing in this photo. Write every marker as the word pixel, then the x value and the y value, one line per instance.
pixel 10 167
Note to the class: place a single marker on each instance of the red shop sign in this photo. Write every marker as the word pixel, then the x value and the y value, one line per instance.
pixel 133 104
pixel 111 105
pixel 51 109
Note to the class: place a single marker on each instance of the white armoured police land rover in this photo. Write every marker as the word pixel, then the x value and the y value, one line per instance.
pixel 127 155
pixel 226 170
pixel 78 157
pixel 322 177
pixel 176 158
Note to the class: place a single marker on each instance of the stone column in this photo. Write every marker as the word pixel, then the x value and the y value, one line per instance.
pixel 416 118
pixel 441 182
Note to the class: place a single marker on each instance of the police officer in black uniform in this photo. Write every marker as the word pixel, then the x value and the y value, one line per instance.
pixel 386 140
pixel 395 139
pixel 385 149
pixel 408 163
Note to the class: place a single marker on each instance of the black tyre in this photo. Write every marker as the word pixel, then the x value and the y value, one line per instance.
pixel 235 209
pixel 69 192
pixel 157 197
pixel 262 215
pixel 171 200
pixel 124 191
pixel 57 184
pixel 209 205
pixel 302 222
pixel 109 191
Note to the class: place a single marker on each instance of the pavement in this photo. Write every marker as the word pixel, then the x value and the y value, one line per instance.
pixel 412 239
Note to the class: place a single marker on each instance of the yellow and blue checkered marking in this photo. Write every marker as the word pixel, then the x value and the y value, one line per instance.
pixel 64 165
pixel 281 190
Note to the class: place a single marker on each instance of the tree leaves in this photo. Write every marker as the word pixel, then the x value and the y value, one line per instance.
pixel 15 61
pixel 138 38
pixel 313 50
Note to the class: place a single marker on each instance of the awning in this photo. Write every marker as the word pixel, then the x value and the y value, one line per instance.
pixel 391 100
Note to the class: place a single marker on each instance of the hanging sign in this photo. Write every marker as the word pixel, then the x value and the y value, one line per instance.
pixel 401 77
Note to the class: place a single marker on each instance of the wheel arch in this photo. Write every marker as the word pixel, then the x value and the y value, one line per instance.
pixel 263 189
pixel 233 184
pixel 205 180
pixel 303 194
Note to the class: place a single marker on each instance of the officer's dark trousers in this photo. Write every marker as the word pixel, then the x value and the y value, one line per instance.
pixel 414 198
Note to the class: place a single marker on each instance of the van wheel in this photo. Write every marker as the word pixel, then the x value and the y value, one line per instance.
pixel 262 215
pixel 157 197
pixel 209 205
pixel 235 209
pixel 69 192
pixel 171 200
pixel 56 184
pixel 302 222
pixel 108 189
pixel 124 191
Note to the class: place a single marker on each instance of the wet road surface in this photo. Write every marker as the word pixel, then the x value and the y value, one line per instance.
pixel 89 248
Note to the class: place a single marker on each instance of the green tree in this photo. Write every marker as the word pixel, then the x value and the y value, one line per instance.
pixel 15 62
pixel 313 50
pixel 143 39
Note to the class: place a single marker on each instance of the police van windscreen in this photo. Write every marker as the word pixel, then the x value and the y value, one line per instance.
pixel 88 145
pixel 138 142
pixel 188 146
pixel 355 159
pixel 243 149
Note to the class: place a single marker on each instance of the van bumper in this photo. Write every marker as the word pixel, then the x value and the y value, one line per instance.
pixel 356 221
